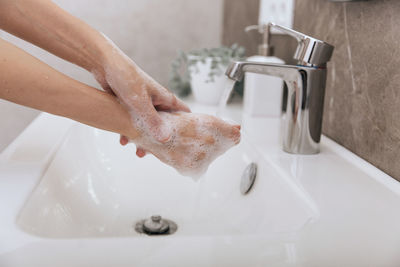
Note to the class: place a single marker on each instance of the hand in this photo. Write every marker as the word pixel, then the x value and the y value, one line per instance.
pixel 140 94
pixel 196 140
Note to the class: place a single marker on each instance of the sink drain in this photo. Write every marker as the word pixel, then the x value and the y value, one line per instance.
pixel 156 225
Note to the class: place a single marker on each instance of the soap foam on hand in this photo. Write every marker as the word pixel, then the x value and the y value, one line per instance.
pixel 196 141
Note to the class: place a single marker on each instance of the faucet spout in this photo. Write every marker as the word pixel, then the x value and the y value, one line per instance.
pixel 303 104
pixel 236 70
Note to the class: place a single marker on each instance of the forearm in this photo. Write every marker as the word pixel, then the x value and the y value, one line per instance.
pixel 27 81
pixel 44 24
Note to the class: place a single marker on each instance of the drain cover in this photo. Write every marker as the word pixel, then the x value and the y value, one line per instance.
pixel 156 225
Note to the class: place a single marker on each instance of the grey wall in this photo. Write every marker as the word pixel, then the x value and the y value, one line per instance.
pixel 237 15
pixel 362 103
pixel 149 31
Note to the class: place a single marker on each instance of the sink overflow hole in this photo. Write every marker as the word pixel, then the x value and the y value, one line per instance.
pixel 248 178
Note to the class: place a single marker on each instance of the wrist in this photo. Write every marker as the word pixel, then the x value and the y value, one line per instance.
pixel 112 61
pixel 101 59
pixel 110 56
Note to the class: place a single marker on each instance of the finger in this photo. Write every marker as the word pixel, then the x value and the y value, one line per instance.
pixel 235 134
pixel 181 106
pixel 230 131
pixel 169 102
pixel 123 140
pixel 140 152
pixel 200 156
pixel 209 140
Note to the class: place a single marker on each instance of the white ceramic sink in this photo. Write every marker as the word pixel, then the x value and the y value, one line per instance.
pixel 70 196
pixel 104 189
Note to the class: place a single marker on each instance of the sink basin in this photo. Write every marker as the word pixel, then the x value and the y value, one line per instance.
pixel 95 188
pixel 71 196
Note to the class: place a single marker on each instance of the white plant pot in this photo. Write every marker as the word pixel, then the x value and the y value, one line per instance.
pixel 206 91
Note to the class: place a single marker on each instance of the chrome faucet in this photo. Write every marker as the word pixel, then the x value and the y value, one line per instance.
pixel 303 105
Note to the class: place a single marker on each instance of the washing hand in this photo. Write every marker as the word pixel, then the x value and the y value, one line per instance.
pixel 196 140
pixel 141 95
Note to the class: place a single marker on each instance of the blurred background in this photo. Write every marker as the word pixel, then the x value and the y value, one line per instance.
pixel 149 31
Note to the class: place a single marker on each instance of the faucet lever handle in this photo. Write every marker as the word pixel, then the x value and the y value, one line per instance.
pixel 254 27
pixel 295 34
pixel 310 51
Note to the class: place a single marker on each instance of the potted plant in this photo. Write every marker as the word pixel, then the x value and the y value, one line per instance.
pixel 202 72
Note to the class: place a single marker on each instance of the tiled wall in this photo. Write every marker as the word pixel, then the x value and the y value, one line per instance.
pixel 362 102
pixel 149 31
